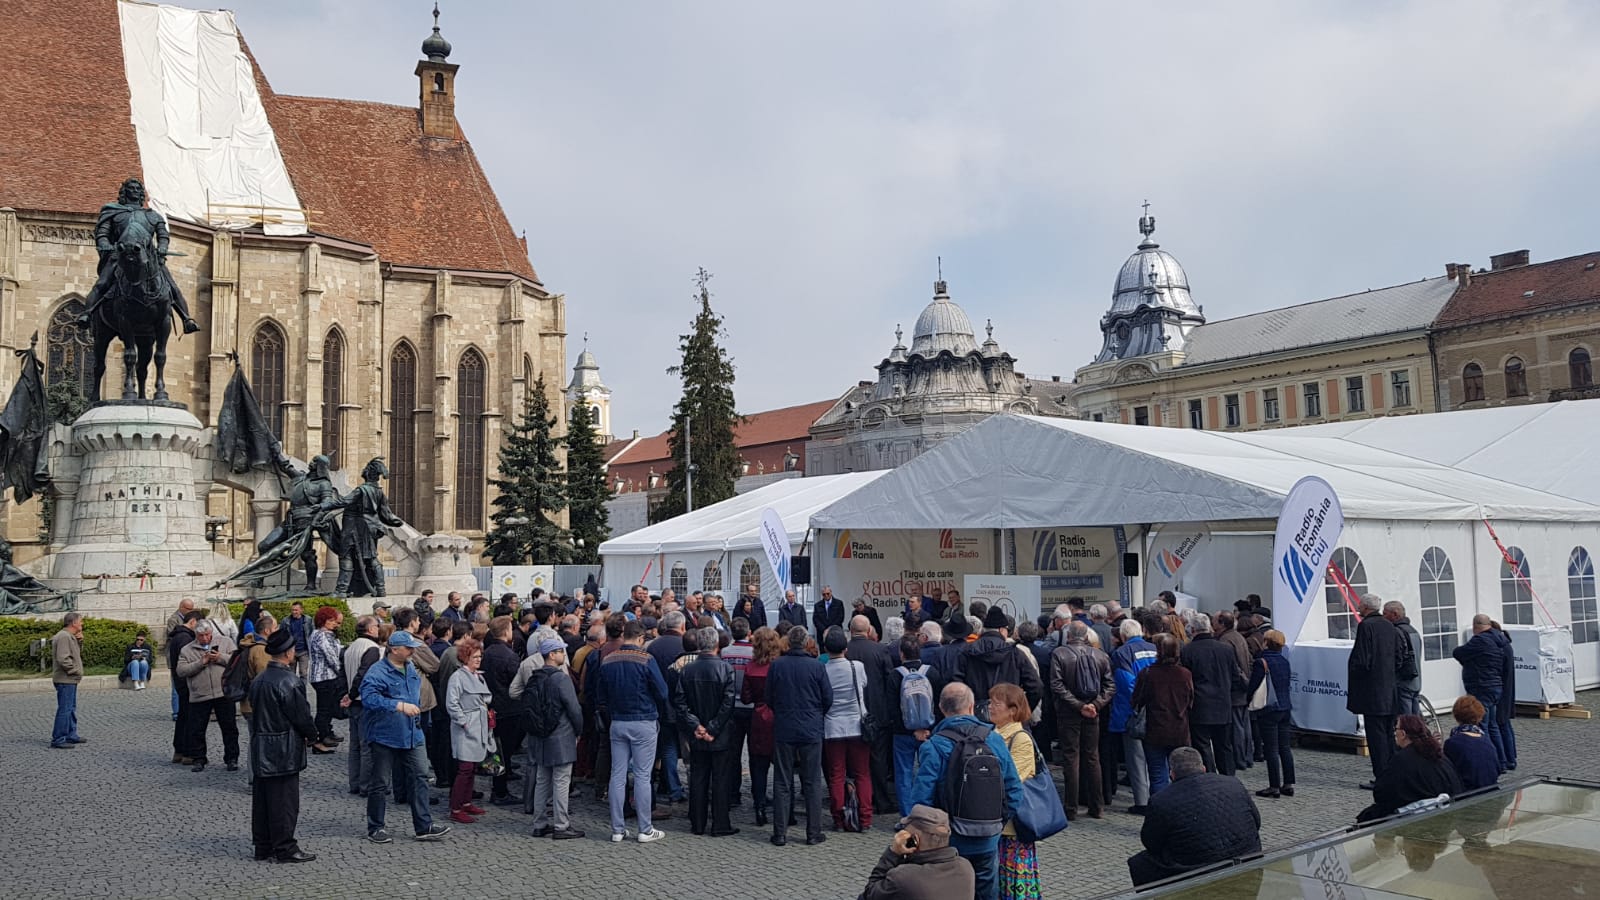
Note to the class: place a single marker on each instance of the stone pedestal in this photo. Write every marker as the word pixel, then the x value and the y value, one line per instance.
pixel 444 564
pixel 137 504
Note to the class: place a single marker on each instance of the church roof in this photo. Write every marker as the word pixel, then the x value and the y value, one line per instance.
pixel 942 326
pixel 69 141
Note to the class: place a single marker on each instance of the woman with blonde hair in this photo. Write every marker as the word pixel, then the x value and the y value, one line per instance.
pixel 222 620
pixel 1018 859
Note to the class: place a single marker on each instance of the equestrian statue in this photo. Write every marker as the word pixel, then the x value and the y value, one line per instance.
pixel 135 297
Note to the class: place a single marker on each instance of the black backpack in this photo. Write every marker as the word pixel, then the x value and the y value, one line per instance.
pixel 974 783
pixel 1086 677
pixel 236 676
pixel 542 704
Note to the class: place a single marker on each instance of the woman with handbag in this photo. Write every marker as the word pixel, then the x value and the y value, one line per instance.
pixel 1163 693
pixel 1270 674
pixel 754 692
pixel 1019 858
pixel 471 739
pixel 845 754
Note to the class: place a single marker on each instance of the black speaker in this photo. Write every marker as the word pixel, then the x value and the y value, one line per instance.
pixel 799 570
pixel 1130 565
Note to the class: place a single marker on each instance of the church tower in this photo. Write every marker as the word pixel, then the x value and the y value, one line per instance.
pixel 587 394
pixel 1151 310
pixel 437 80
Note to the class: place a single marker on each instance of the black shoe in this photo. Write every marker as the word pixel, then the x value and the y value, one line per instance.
pixel 263 855
pixel 1287 790
pixel 566 834
pixel 544 831
pixel 1366 786
pixel 63 747
pixel 333 739
pixel 1138 810
pixel 815 839
pixel 199 766
pixel 1270 793
pixel 778 840
pixel 299 856
pixel 232 767
pixel 507 800
pixel 477 795
pixel 761 817
pixel 434 833
pixel 83 740
pixel 729 833
pixel 379 837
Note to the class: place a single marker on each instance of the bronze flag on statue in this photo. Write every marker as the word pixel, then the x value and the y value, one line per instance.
pixel 244 439
pixel 23 426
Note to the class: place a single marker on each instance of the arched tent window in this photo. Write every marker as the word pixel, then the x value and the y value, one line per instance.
pixel 471 398
pixel 1579 369
pixel 679 580
pixel 1581 593
pixel 1436 584
pixel 1472 382
pixel 1516 378
pixel 332 395
pixel 1341 619
pixel 749 574
pixel 69 348
pixel 711 578
pixel 1516 593
pixel 268 372
pixel 403 431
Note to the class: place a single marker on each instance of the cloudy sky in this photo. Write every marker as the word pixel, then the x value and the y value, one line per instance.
pixel 819 157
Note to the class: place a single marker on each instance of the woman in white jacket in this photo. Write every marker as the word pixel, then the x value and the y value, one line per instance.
pixel 466 699
pixel 844 751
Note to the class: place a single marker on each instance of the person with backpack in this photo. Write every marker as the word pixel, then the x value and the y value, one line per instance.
pixel 703 697
pixel 1081 687
pixel 912 716
pixel 202 663
pixel 554 720
pixel 965 769
pixel 992 659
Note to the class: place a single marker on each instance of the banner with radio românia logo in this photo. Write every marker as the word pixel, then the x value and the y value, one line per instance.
pixel 1174 548
pixel 1308 530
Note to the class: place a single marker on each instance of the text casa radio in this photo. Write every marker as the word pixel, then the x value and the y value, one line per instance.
pixel 955 546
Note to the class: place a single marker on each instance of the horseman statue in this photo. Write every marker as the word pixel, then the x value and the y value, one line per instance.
pixel 135 297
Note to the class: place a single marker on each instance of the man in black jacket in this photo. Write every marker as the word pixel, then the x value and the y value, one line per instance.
pixel 1483 673
pixel 992 659
pixel 703 699
pixel 1409 678
pixel 1200 819
pixel 878 661
pixel 179 637
pixel 827 613
pixel 500 664
pixel 1215 669
pixel 280 727
pixel 751 607
pixel 791 614
pixel 799 694
pixel 1373 690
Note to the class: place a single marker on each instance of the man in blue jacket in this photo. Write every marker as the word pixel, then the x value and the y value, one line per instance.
pixel 631 697
pixel 799 694
pixel 391 697
pixel 1131 658
pixel 1482 660
pixel 956 703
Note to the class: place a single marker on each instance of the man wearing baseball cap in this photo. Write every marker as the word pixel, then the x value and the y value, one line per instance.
pixel 920 864
pixel 391 697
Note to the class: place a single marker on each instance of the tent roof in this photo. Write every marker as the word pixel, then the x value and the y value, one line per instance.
pixel 1028 472
pixel 734 523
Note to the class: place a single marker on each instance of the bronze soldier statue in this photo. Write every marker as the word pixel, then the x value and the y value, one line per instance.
pixel 366 513
pixel 108 233
pixel 306 513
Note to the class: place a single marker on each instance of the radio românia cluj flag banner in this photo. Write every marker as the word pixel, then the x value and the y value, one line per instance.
pixel 1174 548
pixel 1308 530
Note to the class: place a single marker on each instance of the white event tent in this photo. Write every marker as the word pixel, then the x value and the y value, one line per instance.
pixel 717 547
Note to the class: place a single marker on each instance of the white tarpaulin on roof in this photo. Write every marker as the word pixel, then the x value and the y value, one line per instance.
pixel 207 150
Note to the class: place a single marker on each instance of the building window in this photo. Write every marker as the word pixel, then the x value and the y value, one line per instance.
pixel 471 398
pixel 403 431
pixel 1578 368
pixel 749 575
pixel 1099 417
pixel 1269 404
pixel 1472 382
pixel 1580 590
pixel 711 578
pixel 69 349
pixel 679 580
pixel 1141 415
pixel 332 395
pixel 267 374
pixel 1313 395
pixel 1197 418
pixel 1341 618
pixel 1516 378
pixel 1400 386
pixel 1516 590
pixel 1230 405
pixel 1354 395
pixel 1436 582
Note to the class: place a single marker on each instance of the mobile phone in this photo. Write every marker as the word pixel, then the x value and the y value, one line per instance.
pixel 911 842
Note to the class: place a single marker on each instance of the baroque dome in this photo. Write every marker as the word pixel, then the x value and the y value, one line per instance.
pixel 942 326
pixel 1151 308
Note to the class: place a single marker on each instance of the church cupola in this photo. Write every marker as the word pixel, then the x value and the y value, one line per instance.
pixel 1151 309
pixel 437 78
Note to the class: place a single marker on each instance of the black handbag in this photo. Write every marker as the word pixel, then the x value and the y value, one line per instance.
pixel 869 723
pixel 1138 723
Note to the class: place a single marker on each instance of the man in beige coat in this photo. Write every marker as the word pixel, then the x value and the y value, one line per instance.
pixel 202 663
pixel 67 650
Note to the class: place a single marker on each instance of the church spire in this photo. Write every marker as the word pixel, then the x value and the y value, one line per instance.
pixel 436 76
pixel 1147 227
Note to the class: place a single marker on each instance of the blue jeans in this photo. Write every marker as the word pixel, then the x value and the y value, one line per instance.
pixel 407 766
pixel 905 769
pixel 65 730
pixel 1491 723
pixel 633 752
pixel 1155 758
pixel 983 853
pixel 669 767
pixel 174 698
pixel 139 670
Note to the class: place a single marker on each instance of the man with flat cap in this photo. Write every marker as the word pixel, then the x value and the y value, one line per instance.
pixel 920 864
pixel 280 728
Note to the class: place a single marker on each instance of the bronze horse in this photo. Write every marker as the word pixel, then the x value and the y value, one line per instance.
pixel 138 312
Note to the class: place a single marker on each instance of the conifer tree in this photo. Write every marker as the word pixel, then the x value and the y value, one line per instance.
pixel 587 489
pixel 532 489
pixel 707 404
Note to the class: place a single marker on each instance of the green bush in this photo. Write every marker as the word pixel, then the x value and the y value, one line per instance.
pixel 280 611
pixel 104 641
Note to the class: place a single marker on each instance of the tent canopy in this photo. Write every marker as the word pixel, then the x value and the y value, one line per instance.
pixel 1013 471
pixel 734 523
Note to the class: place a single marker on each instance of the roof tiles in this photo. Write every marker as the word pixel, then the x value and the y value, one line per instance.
pixel 1524 289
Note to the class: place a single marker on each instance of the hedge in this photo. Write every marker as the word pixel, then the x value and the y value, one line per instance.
pixel 280 611
pixel 105 641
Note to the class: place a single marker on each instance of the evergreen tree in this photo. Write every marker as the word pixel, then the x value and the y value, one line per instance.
pixel 587 489
pixel 532 489
pixel 707 404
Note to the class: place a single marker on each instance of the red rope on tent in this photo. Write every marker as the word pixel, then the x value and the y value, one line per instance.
pixel 1516 571
pixel 1345 590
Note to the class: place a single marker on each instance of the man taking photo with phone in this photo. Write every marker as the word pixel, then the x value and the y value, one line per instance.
pixel 920 864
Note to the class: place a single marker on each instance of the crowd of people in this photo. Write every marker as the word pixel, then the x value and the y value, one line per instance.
pixel 935 716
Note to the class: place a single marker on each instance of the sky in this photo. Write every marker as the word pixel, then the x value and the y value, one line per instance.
pixel 819 158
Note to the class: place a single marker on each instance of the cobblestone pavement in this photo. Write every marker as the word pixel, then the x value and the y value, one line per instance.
pixel 113 818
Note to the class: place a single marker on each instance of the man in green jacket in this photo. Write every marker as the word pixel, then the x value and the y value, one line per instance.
pixel 67 649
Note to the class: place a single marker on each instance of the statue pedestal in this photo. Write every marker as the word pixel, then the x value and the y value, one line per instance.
pixel 137 504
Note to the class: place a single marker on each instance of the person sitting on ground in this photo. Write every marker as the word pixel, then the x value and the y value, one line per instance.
pixel 136 661
pixel 1469 749
pixel 1417 772
pixel 920 864
pixel 1201 819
